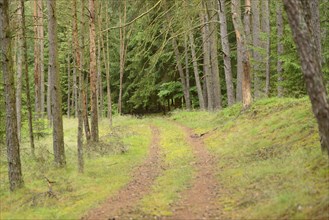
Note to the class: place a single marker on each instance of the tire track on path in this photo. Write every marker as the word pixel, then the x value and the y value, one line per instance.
pixel 200 200
pixel 122 205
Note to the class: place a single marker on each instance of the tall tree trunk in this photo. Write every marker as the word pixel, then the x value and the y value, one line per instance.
pixel 75 90
pixel 68 85
pixel 77 55
pixel 27 80
pixel 13 155
pixel 37 74
pixel 19 72
pixel 226 52
pixel 58 136
pixel 239 60
pixel 240 36
pixel 267 43
pixel 107 63
pixel 84 87
pixel 196 72
pixel 217 98
pixel 305 34
pixel 187 75
pixel 256 45
pixel 206 61
pixel 279 24
pixel 122 52
pixel 181 74
pixel 93 76
pixel 41 48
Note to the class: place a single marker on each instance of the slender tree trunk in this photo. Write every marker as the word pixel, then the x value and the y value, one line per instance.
pixel 84 87
pixel 27 80
pixel 19 72
pixel 77 55
pixel 187 75
pixel 206 61
pixel 49 113
pixel 279 24
pixel 75 90
pixel 93 76
pixel 226 52
pixel 58 136
pixel 257 45
pixel 305 35
pixel 240 36
pixel 68 85
pixel 13 154
pixel 181 74
pixel 122 52
pixel 196 72
pixel 217 98
pixel 41 48
pixel 37 68
pixel 267 44
pixel 239 61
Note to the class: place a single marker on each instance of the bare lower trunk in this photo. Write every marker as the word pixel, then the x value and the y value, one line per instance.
pixel 107 69
pixel 93 76
pixel 187 76
pixel 68 86
pixel 279 23
pixel 226 52
pixel 58 136
pixel 19 72
pixel 267 44
pixel 13 154
pixel 257 45
pixel 41 48
pixel 196 72
pixel 305 35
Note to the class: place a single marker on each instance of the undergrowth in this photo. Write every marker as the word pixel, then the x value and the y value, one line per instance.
pixel 270 162
pixel 107 168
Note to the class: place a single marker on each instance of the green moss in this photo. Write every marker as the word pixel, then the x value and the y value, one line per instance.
pixel 270 162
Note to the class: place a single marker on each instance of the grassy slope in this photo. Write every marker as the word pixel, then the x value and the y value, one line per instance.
pixel 270 162
pixel 76 193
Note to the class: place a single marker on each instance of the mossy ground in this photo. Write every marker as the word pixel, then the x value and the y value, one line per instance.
pixel 104 174
pixel 269 160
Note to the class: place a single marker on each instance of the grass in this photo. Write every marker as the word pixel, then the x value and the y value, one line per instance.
pixel 270 162
pixel 104 174
pixel 178 157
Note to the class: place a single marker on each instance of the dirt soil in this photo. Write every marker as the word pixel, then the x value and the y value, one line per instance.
pixel 199 201
pixel 122 205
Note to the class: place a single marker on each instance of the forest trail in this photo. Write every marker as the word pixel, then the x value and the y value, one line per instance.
pixel 198 201
pixel 122 205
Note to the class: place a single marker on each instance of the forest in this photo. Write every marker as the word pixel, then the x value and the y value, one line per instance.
pixel 164 109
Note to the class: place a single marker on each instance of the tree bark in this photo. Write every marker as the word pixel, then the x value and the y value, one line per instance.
pixel 305 36
pixel 226 52
pixel 181 74
pixel 217 98
pixel 206 61
pixel 279 24
pixel 240 36
pixel 68 86
pixel 267 44
pixel 41 48
pixel 27 80
pixel 37 66
pixel 256 45
pixel 13 154
pixel 93 76
pixel 58 136
pixel 187 75
pixel 239 62
pixel 108 77
pixel 77 55
pixel 19 72
pixel 196 72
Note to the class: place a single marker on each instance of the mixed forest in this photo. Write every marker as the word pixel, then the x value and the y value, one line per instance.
pixel 95 92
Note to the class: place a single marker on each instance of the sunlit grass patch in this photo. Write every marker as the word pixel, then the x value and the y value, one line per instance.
pixel 178 157
pixel 270 162
pixel 76 193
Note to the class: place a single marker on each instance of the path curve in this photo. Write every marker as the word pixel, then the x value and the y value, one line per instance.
pixel 200 201
pixel 122 205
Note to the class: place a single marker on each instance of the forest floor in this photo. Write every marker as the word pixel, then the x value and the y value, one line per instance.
pixel 263 163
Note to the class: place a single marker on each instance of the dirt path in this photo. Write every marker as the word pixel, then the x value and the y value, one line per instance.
pixel 200 200
pixel 122 206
